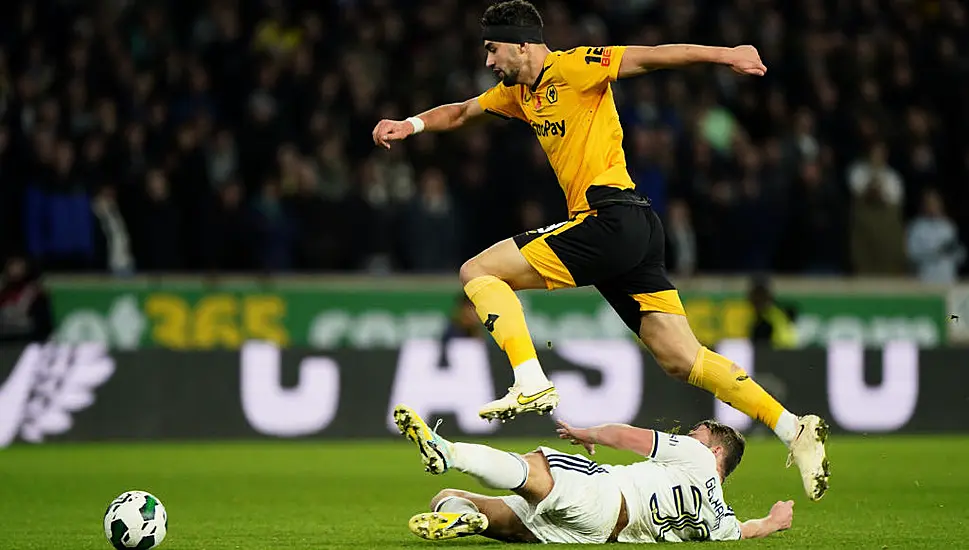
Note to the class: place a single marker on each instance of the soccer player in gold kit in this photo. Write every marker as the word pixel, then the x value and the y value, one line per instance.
pixel 613 239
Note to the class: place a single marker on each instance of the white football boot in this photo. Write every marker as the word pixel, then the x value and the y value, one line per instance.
pixel 516 402
pixel 807 451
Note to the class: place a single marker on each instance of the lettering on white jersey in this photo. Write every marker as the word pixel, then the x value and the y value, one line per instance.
pixel 719 508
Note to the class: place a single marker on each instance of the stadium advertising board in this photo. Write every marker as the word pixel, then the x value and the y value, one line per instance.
pixel 58 392
pixel 195 316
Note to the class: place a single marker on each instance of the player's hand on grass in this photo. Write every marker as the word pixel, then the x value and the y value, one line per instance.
pixel 577 436
pixel 782 514
pixel 745 60
pixel 391 130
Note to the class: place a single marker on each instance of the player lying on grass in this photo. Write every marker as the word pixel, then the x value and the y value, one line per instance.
pixel 613 240
pixel 676 495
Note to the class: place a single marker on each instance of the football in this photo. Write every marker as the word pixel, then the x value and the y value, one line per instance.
pixel 135 519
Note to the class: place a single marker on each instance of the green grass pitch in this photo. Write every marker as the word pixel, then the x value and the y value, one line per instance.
pixel 891 492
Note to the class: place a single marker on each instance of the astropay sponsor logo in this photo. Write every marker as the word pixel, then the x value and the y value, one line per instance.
pixel 50 383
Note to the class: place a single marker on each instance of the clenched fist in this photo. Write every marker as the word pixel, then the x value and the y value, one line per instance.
pixel 782 514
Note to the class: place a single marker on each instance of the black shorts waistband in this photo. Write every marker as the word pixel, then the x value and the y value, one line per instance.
pixel 621 196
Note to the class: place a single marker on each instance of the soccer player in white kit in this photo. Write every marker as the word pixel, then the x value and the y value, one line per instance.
pixel 675 495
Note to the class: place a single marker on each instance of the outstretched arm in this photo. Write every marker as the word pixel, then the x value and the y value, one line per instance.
pixel 780 517
pixel 639 60
pixel 439 119
pixel 618 436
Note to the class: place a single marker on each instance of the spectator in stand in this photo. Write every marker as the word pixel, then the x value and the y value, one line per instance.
pixel 228 232
pixel 772 324
pixel 25 309
pixel 273 229
pixel 222 157
pixel 112 240
pixel 158 227
pixel 872 174
pixel 813 242
pixel 431 227
pixel 464 322
pixel 681 258
pixel 223 94
pixel 876 220
pixel 60 225
pixel 933 242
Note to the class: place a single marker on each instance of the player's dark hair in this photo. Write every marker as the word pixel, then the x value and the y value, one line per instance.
pixel 731 440
pixel 514 13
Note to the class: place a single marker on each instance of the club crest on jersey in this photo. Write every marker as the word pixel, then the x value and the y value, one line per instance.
pixel 551 94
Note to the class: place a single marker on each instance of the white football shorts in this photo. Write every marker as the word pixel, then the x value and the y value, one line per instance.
pixel 582 507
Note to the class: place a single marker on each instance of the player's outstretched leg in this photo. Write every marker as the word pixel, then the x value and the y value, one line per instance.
pixel 671 340
pixel 490 280
pixel 456 513
pixel 451 516
pixel 493 468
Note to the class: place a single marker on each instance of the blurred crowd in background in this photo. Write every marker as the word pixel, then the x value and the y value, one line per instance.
pixel 234 135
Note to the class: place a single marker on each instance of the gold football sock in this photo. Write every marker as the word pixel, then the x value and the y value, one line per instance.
pixel 501 312
pixel 730 384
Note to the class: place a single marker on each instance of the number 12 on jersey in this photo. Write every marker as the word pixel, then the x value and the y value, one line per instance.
pixel 602 56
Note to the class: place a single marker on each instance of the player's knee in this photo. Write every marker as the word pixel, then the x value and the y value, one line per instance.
pixel 471 269
pixel 443 494
pixel 675 361
pixel 679 368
